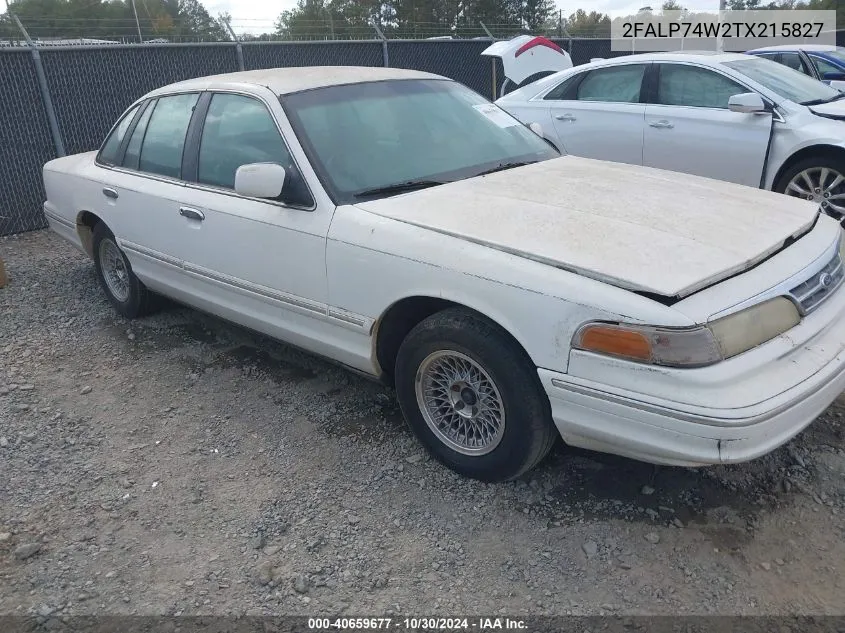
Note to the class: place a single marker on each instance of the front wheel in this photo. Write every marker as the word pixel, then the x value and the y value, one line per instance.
pixel 472 396
pixel 820 180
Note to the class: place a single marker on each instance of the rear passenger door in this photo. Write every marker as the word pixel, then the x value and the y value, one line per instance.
pixel 599 115
pixel 144 191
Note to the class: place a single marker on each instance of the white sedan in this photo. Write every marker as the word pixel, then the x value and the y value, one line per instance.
pixel 398 223
pixel 727 116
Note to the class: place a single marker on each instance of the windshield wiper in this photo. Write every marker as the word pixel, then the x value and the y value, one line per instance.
pixel 399 187
pixel 504 166
pixel 821 101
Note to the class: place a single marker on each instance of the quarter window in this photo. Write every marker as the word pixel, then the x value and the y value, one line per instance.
pixel 112 145
pixel 615 84
pixel 239 130
pixel 684 85
pixel 133 148
pixel 164 140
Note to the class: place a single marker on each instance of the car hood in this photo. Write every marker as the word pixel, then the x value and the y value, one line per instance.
pixel 832 110
pixel 638 228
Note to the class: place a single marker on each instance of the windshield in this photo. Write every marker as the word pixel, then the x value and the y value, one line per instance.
pixel 397 134
pixel 837 54
pixel 784 81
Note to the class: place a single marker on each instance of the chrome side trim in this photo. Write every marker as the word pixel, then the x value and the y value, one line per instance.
pixel 59 220
pixel 150 253
pixel 337 316
pixel 359 321
pixel 257 289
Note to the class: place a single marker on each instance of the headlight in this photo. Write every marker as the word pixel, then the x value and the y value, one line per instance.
pixel 743 330
pixel 690 347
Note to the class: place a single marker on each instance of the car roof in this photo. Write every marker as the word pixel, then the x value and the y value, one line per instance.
pixel 288 80
pixel 706 57
pixel 796 47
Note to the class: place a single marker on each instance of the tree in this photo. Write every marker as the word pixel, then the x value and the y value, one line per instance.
pixel 592 24
pixel 413 18
pixel 195 21
pixel 534 13
pixel 115 20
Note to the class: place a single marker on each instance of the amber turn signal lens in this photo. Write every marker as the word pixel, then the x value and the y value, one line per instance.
pixel 605 339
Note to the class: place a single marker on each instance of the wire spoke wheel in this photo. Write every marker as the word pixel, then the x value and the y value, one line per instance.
pixel 460 402
pixel 824 186
pixel 115 272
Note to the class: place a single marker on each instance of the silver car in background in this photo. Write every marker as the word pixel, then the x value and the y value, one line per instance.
pixel 727 116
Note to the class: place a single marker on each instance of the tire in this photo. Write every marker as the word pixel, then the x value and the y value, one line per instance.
pixel 464 338
pixel 136 301
pixel 815 165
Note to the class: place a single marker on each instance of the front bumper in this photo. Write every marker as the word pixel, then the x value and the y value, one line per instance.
pixel 639 427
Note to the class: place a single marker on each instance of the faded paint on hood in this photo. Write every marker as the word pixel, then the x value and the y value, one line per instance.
pixel 633 227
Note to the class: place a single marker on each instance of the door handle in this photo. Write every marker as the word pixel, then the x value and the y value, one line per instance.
pixel 191 214
pixel 663 123
pixel 564 117
pixel 108 192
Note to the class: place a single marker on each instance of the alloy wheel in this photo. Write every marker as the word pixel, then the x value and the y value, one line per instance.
pixel 115 272
pixel 460 402
pixel 822 185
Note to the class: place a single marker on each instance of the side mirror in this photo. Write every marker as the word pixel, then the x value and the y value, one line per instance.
pixel 833 76
pixel 537 129
pixel 260 180
pixel 747 102
pixel 838 85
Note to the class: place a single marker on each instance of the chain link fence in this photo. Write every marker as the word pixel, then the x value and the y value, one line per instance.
pixel 65 98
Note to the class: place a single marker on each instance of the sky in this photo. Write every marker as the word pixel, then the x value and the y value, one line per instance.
pixel 258 16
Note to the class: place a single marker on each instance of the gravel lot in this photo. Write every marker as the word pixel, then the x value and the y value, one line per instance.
pixel 180 465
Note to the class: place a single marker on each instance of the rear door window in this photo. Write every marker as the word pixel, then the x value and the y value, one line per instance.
pixel 164 139
pixel 133 149
pixel 615 84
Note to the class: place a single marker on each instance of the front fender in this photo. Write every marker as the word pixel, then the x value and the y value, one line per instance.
pixel 787 144
pixel 373 262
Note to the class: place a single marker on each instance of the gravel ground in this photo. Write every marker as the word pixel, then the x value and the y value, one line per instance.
pixel 180 465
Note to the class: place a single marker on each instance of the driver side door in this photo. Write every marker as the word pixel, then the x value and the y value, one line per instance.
pixel 259 262
pixel 689 128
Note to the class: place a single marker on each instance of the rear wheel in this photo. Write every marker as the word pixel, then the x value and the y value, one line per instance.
pixel 472 396
pixel 125 291
pixel 820 180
